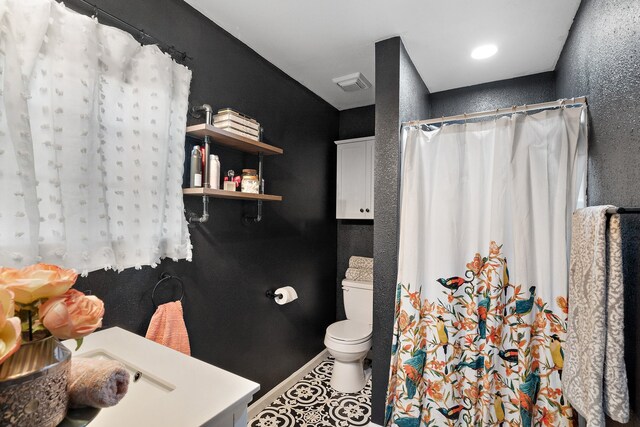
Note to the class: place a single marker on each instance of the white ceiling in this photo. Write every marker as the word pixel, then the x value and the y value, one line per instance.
pixel 315 41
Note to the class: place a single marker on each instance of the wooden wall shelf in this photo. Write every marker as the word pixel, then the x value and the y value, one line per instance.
pixel 231 140
pixel 237 195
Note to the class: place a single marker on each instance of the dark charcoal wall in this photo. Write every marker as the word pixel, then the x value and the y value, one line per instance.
pixel 355 237
pixel 401 95
pixel 231 323
pixel 489 96
pixel 601 60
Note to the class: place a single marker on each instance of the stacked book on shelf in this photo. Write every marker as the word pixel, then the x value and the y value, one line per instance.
pixel 238 123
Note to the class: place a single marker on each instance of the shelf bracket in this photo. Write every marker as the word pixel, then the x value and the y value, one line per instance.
pixel 256 219
pixel 194 218
pixel 196 112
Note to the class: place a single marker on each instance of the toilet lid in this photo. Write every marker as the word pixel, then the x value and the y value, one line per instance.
pixel 349 331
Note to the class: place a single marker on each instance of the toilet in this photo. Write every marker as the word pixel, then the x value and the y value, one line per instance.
pixel 349 341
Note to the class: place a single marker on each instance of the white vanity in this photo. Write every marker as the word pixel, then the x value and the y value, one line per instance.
pixel 172 389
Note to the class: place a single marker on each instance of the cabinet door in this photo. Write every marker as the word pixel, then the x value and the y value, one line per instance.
pixel 351 194
pixel 368 209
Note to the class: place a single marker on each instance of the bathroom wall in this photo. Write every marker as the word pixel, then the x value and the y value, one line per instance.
pixel 601 60
pixel 355 237
pixel 489 96
pixel 230 321
pixel 401 95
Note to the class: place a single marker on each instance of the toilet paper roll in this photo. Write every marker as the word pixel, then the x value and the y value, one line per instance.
pixel 288 294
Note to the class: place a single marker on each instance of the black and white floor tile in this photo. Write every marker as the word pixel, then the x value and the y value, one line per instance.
pixel 311 402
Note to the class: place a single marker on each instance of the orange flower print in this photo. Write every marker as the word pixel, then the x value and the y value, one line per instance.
pixel 440 310
pixel 403 321
pixel 494 335
pixel 426 309
pixel 548 418
pixel 434 390
pixel 540 323
pixel 556 328
pixel 450 298
pixel 414 298
pixel 471 308
pixel 562 303
pixel 476 265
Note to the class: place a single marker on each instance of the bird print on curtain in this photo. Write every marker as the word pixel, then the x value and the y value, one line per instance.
pixel 486 352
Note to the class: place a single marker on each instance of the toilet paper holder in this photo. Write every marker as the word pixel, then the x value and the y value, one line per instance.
pixel 273 295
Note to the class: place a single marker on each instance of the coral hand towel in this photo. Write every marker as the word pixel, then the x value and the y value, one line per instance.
pixel 96 383
pixel 167 328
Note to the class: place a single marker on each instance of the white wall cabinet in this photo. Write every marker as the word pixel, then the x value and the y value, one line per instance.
pixel 354 183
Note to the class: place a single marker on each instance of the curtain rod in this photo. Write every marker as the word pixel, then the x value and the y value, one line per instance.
pixel 142 33
pixel 501 111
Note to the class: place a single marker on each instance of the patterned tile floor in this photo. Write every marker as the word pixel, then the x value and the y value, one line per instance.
pixel 311 402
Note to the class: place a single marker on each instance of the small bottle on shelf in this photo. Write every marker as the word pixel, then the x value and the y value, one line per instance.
pixel 214 172
pixel 195 179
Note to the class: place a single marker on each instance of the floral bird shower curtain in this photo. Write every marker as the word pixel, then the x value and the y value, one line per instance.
pixel 481 307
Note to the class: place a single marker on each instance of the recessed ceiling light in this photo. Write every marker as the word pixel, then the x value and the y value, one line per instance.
pixel 484 51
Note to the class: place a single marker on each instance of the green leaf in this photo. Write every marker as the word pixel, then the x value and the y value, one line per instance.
pixel 79 343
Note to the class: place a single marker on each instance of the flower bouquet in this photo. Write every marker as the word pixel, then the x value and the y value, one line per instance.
pixel 38 307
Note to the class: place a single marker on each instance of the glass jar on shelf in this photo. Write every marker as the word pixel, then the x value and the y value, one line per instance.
pixel 250 182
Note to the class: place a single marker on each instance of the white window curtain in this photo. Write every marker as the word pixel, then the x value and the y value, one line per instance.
pixel 92 129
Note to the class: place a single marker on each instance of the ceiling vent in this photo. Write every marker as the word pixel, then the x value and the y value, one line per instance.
pixel 352 82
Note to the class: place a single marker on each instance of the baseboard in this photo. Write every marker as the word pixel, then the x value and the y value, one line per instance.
pixel 374 425
pixel 273 394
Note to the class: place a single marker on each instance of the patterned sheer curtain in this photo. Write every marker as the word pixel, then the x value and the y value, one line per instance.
pixel 481 309
pixel 91 143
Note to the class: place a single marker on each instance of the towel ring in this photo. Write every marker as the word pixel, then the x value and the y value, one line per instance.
pixel 165 277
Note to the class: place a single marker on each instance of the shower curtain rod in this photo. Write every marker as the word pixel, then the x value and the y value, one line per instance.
pixel 142 33
pixel 501 111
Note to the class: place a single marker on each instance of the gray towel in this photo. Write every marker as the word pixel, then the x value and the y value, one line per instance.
pixel 595 378
pixel 359 274
pixel 361 262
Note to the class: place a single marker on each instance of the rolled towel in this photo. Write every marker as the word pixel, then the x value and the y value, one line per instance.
pixel 360 262
pixel 359 274
pixel 96 383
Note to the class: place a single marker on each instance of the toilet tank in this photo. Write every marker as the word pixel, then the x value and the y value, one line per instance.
pixel 358 300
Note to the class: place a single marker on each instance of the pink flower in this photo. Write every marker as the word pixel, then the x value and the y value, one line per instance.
pixel 72 315
pixel 9 326
pixel 37 281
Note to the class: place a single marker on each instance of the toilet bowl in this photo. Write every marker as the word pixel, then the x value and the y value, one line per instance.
pixel 348 341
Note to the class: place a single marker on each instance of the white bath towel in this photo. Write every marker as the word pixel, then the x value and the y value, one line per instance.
pixel 595 378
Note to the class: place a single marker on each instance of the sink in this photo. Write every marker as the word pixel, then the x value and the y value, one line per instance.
pixel 172 388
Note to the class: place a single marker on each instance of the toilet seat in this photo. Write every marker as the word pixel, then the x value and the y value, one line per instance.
pixel 349 332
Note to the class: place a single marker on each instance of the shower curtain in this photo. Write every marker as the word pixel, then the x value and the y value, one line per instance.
pixel 481 302
pixel 91 143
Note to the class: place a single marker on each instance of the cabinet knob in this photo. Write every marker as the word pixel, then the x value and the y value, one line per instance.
pixel 361 210
pixel 367 210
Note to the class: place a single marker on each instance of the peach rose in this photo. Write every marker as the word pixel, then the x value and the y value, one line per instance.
pixel 37 281
pixel 72 315
pixel 9 326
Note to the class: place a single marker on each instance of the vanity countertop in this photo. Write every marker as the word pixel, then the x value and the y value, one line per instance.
pixel 173 390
